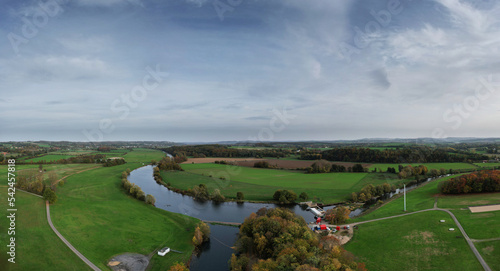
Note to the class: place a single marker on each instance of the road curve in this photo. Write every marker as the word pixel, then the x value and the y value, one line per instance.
pixel 469 241
pixel 89 263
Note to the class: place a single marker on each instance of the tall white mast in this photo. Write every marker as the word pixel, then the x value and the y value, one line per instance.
pixel 404 194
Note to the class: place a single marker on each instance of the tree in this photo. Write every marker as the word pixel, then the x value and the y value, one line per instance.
pixel 217 196
pixel 358 168
pixel 303 196
pixel 240 196
pixel 337 215
pixel 150 200
pixel 285 196
pixel 354 196
pixel 178 267
pixel 50 195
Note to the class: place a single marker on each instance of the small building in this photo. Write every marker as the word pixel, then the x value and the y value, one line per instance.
pixel 163 251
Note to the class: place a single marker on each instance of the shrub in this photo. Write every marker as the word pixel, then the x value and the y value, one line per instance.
pixel 240 196
pixel 303 196
pixel 50 195
pixel 150 200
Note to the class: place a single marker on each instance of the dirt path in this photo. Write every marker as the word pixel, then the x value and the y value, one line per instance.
pixel 84 259
pixel 485 240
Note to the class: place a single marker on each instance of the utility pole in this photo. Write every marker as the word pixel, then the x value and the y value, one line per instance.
pixel 404 194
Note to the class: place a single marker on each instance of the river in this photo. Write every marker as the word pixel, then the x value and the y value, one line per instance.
pixel 216 254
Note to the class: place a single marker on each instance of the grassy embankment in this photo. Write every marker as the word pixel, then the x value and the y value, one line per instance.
pixel 37 246
pixel 477 226
pixel 101 221
pixel 416 242
pixel 260 184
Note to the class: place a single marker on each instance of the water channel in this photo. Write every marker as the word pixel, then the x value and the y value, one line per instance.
pixel 216 254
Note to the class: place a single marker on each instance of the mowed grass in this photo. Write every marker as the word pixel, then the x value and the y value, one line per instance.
pixel 491 253
pixel 479 225
pixel 429 166
pixel 37 246
pixel 467 200
pixel 101 221
pixel 260 184
pixel 414 242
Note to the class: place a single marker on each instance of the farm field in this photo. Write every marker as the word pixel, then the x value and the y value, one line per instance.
pixel 49 157
pixel 260 184
pixel 429 166
pixel 490 251
pixel 489 165
pixel 140 155
pixel 35 239
pixel 62 170
pixel 101 221
pixel 426 245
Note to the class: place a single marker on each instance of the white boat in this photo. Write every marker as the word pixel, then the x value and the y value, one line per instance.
pixel 163 251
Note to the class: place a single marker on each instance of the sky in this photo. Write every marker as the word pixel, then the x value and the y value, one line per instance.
pixel 217 70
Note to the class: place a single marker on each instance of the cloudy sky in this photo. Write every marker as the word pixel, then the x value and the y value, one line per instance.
pixel 211 70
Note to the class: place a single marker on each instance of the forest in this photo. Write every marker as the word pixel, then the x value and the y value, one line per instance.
pixel 484 181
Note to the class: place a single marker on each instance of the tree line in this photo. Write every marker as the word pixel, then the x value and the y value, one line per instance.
pixel 478 182
pixel 323 166
pixel 134 190
pixel 420 154
pixel 278 239
pixel 215 150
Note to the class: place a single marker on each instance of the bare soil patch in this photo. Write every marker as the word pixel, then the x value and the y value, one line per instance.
pixel 488 208
pixel 488 250
pixel 278 163
pixel 129 262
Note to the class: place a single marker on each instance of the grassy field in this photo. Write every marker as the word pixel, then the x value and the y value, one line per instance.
pixel 418 199
pixel 62 170
pixel 260 184
pixel 96 216
pixel 101 221
pixel 479 225
pixel 37 246
pixel 49 157
pixel 143 156
pixel 490 252
pixel 429 166
pixel 464 201
pixel 416 242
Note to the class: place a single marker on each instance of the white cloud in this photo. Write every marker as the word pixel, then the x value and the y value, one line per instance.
pixel 108 3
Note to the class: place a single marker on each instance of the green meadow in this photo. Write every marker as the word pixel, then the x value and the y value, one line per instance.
pixel 37 246
pixel 414 242
pixel 260 184
pixel 100 220
pixel 49 158
pixel 490 251
pixel 429 166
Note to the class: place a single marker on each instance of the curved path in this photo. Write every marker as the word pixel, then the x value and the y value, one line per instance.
pixel 84 259
pixel 469 241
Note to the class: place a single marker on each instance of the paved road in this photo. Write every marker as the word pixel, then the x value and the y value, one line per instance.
pixel 469 241
pixel 89 263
